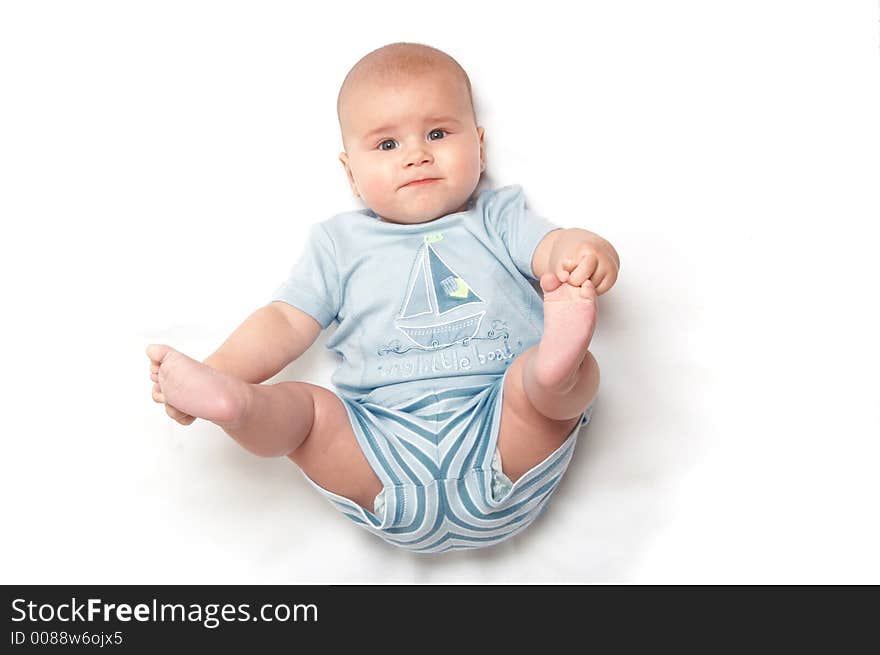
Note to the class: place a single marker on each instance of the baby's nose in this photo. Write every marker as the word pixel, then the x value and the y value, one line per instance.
pixel 418 155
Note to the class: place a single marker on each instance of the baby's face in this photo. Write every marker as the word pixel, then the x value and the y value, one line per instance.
pixel 413 128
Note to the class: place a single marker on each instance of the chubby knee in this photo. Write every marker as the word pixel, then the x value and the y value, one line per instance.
pixel 589 367
pixel 568 400
pixel 587 384
pixel 330 454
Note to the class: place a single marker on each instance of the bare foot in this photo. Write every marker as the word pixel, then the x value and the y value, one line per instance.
pixel 569 321
pixel 196 389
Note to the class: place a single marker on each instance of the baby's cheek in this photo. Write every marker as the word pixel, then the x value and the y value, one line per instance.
pixel 469 165
pixel 373 194
pixel 376 189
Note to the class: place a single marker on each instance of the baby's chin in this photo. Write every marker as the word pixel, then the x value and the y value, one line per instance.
pixel 416 213
pixel 407 219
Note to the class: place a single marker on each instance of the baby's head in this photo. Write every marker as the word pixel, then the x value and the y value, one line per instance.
pixel 406 113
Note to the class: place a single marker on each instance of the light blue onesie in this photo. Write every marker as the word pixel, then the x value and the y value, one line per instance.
pixel 430 317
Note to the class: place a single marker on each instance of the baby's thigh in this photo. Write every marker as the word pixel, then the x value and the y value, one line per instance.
pixel 331 456
pixel 526 437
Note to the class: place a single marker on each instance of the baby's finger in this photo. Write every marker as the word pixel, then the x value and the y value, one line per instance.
pixel 597 282
pixel 605 279
pixel 180 417
pixel 585 269
pixel 154 377
pixel 154 367
pixel 563 268
pixel 177 415
pixel 158 396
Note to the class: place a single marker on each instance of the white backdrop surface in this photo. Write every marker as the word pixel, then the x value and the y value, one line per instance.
pixel 161 163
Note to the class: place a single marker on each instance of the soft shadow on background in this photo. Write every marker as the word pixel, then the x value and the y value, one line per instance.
pixel 162 164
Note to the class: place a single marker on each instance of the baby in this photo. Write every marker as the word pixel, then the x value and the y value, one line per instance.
pixel 460 393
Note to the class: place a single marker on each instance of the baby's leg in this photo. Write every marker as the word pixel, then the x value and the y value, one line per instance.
pixel 305 422
pixel 551 384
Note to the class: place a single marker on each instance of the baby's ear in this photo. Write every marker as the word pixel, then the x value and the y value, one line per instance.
pixel 343 157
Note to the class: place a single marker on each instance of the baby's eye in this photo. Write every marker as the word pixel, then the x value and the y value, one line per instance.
pixel 431 134
pixel 388 141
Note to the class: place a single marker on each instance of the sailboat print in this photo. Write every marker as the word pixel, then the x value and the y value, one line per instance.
pixel 438 310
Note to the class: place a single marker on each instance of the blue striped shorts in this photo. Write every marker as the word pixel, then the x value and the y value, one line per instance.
pixel 433 452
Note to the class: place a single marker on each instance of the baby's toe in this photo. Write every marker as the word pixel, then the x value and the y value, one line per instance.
pixel 157 352
pixel 588 291
pixel 549 282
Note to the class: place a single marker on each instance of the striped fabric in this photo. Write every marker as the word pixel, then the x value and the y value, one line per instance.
pixel 433 455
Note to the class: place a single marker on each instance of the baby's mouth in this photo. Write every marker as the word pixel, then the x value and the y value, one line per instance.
pixel 422 182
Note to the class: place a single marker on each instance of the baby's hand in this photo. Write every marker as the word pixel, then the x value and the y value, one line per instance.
pixel 578 256
pixel 173 412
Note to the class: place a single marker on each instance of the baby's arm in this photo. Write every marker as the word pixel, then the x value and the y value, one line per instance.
pixel 268 340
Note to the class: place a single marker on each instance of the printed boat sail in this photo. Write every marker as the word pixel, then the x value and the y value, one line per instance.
pixel 437 311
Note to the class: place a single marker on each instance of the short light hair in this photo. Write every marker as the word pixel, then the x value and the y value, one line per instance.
pixel 396 59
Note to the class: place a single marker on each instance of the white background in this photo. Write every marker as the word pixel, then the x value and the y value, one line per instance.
pixel 160 163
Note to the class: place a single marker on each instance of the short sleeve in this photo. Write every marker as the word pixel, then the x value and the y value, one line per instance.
pixel 313 284
pixel 520 229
